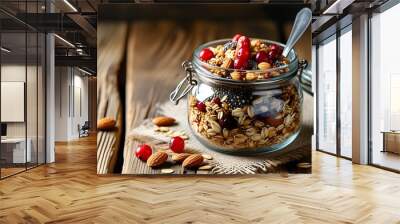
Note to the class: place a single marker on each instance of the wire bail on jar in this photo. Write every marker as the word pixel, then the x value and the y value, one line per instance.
pixel 302 65
pixel 185 85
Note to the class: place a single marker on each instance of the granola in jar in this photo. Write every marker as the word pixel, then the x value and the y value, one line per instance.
pixel 248 104
pixel 232 123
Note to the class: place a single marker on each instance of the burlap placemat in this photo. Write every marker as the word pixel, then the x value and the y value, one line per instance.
pixel 231 164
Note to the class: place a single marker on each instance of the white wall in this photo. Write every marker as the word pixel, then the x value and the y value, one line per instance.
pixel 16 73
pixel 71 102
pixel 61 103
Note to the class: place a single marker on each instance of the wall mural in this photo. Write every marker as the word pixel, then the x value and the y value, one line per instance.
pixel 212 93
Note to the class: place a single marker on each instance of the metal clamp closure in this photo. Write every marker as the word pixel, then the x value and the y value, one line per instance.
pixel 185 85
pixel 302 65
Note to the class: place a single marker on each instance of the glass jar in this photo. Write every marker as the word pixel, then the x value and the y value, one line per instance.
pixel 242 117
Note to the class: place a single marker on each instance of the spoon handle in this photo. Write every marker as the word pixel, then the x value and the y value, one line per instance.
pixel 301 23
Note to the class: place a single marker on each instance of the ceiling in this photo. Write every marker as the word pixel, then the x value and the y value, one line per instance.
pixel 76 21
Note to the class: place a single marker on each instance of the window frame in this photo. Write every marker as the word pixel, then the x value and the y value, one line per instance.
pixel 336 35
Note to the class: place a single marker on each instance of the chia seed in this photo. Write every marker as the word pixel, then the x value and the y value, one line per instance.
pixel 235 97
pixel 278 63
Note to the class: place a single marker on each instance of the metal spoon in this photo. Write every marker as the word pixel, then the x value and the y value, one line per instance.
pixel 301 23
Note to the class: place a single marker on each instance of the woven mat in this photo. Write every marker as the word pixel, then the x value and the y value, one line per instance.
pixel 231 164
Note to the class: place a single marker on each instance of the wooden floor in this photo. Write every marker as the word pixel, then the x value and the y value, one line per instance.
pixel 8 171
pixel 69 191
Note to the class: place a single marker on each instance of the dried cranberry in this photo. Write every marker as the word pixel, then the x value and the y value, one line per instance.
pixel 206 54
pixel 278 49
pixel 261 56
pixel 217 101
pixel 236 37
pixel 177 144
pixel 143 152
pixel 274 121
pixel 243 42
pixel 242 59
pixel 201 106
pixel 271 56
pixel 242 53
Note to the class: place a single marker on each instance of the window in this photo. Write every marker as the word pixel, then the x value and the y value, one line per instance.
pixel 346 73
pixel 22 78
pixel 334 73
pixel 326 139
pixel 385 89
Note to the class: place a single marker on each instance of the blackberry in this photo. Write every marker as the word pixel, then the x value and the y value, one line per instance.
pixel 228 122
pixel 230 45
pixel 253 65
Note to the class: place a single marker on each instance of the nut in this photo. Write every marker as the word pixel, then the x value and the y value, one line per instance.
pixel 192 161
pixel 163 121
pixel 227 63
pixel 206 156
pixel 255 42
pixel 264 66
pixel 157 159
pixel 251 76
pixel 164 129
pixel 236 76
pixel 166 171
pixel 205 167
pixel 184 137
pixel 106 123
pixel 179 157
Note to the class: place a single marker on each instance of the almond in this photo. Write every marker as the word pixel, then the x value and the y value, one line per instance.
pixel 106 123
pixel 236 75
pixel 227 63
pixel 264 66
pixel 157 159
pixel 251 76
pixel 206 156
pixel 163 121
pixel 167 171
pixel 205 167
pixel 194 160
pixel 179 157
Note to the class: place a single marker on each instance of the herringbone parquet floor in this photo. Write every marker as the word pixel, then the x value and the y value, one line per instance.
pixel 69 191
